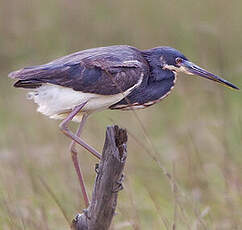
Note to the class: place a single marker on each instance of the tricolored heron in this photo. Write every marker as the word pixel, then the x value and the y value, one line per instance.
pixel 115 77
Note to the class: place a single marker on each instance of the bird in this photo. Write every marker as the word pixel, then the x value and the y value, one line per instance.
pixel 118 77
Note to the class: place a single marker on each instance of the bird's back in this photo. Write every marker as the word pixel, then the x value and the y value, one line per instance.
pixel 102 76
pixel 101 56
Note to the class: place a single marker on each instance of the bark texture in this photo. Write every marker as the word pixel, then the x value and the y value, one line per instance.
pixel 108 183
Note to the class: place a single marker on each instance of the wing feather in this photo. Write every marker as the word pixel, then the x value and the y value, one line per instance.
pixel 105 71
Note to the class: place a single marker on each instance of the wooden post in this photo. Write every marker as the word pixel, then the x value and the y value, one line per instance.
pixel 108 182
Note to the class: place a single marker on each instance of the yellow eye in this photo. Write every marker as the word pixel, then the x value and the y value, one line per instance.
pixel 179 60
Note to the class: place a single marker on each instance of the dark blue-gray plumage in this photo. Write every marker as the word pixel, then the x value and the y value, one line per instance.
pixel 86 70
pixel 110 70
pixel 114 77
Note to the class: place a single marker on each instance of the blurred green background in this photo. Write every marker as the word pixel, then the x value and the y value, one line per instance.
pixel 196 132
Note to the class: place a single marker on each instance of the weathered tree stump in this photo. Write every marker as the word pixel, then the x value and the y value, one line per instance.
pixel 108 183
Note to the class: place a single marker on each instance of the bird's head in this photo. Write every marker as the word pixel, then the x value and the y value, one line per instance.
pixel 173 60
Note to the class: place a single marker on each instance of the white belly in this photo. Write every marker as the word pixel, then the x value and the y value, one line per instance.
pixel 57 101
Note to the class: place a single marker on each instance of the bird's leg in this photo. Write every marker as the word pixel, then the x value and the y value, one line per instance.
pixel 75 161
pixel 63 126
pixel 76 139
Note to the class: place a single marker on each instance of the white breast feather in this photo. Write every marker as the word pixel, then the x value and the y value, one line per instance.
pixel 54 100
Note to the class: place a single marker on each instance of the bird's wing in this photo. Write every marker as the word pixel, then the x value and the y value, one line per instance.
pixel 99 71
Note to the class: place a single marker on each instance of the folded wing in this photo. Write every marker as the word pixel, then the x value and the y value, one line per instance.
pixel 104 71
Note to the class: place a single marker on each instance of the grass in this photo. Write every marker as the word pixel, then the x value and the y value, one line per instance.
pixel 184 163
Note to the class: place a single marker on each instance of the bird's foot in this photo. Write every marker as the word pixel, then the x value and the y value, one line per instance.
pixel 118 184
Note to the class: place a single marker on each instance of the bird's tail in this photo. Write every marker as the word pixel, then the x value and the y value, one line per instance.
pixel 27 84
pixel 28 72
pixel 29 77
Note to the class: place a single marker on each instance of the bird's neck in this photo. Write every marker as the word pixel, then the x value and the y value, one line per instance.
pixel 156 71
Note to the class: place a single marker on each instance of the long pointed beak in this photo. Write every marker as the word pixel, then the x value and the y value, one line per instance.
pixel 193 69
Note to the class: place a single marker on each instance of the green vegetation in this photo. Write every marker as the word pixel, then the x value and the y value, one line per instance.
pixel 196 132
